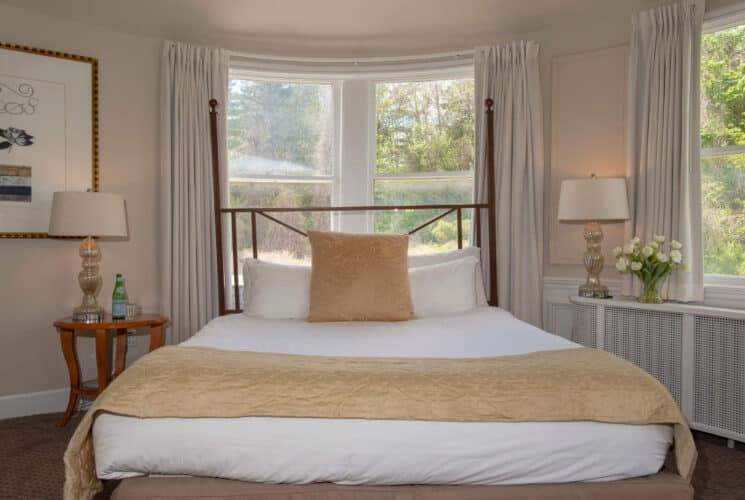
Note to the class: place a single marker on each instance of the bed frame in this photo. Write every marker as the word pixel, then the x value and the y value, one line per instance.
pixel 271 215
pixel 665 485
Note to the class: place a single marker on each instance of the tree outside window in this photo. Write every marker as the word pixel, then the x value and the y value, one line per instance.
pixel 283 147
pixel 280 154
pixel 723 150
pixel 424 155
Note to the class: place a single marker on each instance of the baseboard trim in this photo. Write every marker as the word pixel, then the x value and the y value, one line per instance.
pixel 33 403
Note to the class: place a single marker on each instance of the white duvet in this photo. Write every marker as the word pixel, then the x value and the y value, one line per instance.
pixel 357 451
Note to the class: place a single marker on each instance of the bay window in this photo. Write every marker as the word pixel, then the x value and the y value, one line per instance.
pixel 314 140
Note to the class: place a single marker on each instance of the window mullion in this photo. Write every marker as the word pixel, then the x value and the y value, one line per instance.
pixel 284 178
pixel 353 174
pixel 424 176
pixel 722 151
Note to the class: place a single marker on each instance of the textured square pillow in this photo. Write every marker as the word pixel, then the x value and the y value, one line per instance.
pixel 359 277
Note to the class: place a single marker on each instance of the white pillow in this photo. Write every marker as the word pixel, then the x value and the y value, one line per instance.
pixel 438 258
pixel 275 291
pixel 446 288
pixel 282 291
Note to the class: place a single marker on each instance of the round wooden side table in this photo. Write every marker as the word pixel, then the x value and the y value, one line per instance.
pixel 67 328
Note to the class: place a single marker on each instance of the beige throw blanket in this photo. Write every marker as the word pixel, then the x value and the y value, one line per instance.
pixel 563 385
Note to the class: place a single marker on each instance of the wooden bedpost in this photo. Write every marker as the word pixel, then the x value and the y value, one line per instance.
pixel 217 202
pixel 491 202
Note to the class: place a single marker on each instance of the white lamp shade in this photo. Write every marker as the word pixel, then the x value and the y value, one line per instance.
pixel 88 214
pixel 593 199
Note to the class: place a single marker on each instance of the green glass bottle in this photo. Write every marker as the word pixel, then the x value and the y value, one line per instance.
pixel 119 299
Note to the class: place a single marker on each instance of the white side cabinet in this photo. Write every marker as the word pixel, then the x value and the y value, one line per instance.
pixel 697 352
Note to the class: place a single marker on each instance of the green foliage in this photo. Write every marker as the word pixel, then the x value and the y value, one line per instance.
pixel 723 187
pixel 442 232
pixel 723 88
pixel 273 238
pixel 424 126
pixel 723 124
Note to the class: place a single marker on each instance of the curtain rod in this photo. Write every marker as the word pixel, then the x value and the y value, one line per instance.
pixel 457 55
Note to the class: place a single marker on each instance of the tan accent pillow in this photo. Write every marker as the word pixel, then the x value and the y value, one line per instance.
pixel 359 277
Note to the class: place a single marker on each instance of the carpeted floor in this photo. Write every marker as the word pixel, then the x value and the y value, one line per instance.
pixel 31 451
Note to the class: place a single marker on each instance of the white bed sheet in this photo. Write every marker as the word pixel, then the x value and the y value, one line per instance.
pixel 357 451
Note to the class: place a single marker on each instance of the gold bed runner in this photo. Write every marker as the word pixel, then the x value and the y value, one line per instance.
pixel 563 385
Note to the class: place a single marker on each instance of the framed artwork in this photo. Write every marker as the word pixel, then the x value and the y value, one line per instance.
pixel 48 134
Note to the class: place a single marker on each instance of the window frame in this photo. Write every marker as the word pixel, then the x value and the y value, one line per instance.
pixel 455 74
pixel 355 147
pixel 718 20
pixel 372 175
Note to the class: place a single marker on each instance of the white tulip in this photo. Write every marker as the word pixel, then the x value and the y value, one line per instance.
pixel 662 257
pixel 636 266
pixel 647 251
pixel 654 244
pixel 622 265
pixel 636 240
pixel 628 249
pixel 618 251
pixel 676 256
pixel 659 238
pixel 676 245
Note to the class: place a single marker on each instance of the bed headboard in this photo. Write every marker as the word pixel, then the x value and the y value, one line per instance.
pixel 270 214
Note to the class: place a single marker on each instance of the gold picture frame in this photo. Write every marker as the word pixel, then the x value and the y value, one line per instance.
pixel 94 173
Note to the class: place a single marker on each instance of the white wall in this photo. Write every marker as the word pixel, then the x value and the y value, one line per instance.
pixel 39 277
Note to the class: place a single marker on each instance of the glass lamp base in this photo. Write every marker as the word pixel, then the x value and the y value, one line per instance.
pixel 594 291
pixel 88 314
pixel 90 281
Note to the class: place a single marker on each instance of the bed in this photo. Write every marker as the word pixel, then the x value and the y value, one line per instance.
pixel 259 457
pixel 351 451
pixel 305 457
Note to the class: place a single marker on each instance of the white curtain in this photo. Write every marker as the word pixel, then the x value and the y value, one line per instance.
pixel 190 77
pixel 509 75
pixel 664 140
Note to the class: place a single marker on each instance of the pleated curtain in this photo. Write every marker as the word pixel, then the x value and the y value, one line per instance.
pixel 509 75
pixel 190 77
pixel 664 137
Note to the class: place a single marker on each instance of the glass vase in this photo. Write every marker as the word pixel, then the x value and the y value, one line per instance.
pixel 650 294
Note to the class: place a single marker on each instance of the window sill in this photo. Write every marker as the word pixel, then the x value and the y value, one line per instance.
pixel 724 280
pixel 724 295
pixel 715 295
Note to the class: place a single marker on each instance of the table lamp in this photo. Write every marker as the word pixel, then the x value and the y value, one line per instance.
pixel 591 200
pixel 90 215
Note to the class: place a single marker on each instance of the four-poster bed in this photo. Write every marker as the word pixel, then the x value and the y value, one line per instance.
pixel 488 339
pixel 447 209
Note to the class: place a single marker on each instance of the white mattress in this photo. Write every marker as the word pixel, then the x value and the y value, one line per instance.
pixel 357 451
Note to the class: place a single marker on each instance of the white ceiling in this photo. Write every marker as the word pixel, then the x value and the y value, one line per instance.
pixel 328 27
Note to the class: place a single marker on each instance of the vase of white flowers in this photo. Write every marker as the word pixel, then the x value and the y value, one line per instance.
pixel 650 263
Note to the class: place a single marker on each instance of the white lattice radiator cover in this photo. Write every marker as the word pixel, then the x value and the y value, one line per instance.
pixel 697 352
